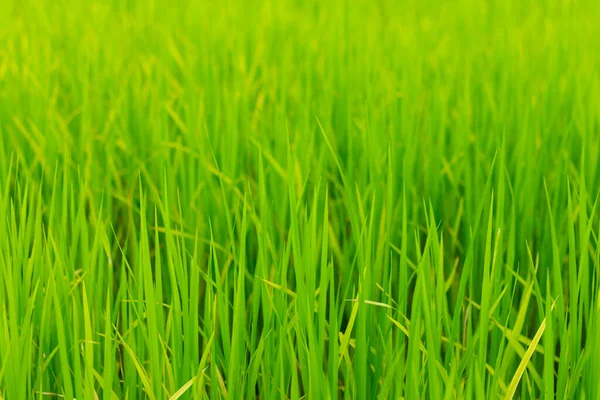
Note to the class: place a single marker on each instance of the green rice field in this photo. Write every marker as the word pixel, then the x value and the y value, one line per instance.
pixel 336 199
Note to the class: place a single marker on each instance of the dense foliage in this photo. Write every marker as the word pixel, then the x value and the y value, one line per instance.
pixel 277 199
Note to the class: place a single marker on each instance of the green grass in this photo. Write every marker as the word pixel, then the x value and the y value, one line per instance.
pixel 284 199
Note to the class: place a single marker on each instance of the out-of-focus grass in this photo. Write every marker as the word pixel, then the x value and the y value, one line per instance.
pixel 287 199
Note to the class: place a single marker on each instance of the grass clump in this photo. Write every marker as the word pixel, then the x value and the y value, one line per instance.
pixel 287 199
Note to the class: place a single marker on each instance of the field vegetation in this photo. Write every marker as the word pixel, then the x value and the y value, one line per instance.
pixel 299 199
